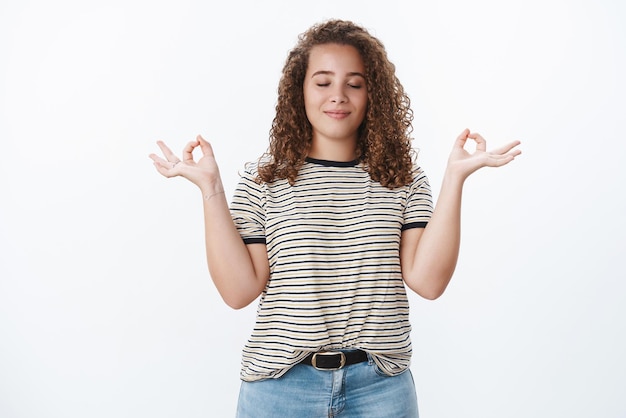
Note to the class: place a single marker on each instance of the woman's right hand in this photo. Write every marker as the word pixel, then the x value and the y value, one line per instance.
pixel 204 173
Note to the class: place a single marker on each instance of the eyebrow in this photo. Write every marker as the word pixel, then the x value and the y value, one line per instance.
pixel 350 74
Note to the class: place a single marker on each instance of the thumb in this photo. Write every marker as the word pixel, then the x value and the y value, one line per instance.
pixel 205 146
pixel 462 138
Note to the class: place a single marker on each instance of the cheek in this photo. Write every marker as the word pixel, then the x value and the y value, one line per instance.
pixel 313 103
pixel 308 105
pixel 364 99
pixel 309 97
pixel 360 98
pixel 363 105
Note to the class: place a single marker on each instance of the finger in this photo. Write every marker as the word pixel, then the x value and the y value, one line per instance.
pixel 166 168
pixel 169 155
pixel 163 164
pixel 462 138
pixel 481 144
pixel 499 160
pixel 506 148
pixel 205 146
pixel 156 158
pixel 188 151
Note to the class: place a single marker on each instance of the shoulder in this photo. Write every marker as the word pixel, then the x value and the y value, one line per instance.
pixel 419 177
pixel 251 169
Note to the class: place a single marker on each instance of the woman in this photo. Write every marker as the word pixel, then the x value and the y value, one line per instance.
pixel 327 228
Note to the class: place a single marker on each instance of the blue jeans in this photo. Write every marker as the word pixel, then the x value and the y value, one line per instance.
pixel 357 391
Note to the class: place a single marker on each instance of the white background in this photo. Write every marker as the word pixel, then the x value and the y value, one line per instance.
pixel 106 306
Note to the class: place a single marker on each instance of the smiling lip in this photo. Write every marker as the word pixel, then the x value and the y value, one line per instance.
pixel 337 114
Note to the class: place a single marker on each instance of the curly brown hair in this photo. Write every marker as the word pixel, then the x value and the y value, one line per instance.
pixel 384 142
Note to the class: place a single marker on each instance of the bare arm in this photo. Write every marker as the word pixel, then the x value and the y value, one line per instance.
pixel 428 257
pixel 239 271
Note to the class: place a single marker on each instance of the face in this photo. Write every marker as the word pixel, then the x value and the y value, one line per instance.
pixel 335 94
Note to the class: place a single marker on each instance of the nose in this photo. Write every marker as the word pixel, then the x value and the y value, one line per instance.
pixel 338 96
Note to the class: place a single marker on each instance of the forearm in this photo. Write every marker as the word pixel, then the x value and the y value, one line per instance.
pixel 229 262
pixel 428 260
pixel 239 273
pixel 435 257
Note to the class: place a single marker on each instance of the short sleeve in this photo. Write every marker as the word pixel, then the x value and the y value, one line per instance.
pixel 419 206
pixel 247 207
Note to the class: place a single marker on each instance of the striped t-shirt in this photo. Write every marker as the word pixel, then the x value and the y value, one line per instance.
pixel 333 244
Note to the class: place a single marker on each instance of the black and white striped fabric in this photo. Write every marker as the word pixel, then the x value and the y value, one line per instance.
pixel 333 247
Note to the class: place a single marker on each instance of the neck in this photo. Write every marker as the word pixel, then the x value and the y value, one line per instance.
pixel 329 150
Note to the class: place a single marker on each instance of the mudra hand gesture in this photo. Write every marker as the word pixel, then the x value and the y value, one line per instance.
pixel 463 163
pixel 204 173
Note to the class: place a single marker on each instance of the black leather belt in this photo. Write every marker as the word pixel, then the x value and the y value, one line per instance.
pixel 334 360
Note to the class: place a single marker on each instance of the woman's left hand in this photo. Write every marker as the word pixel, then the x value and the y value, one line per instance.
pixel 462 163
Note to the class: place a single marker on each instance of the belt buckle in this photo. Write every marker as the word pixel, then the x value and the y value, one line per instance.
pixel 342 359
